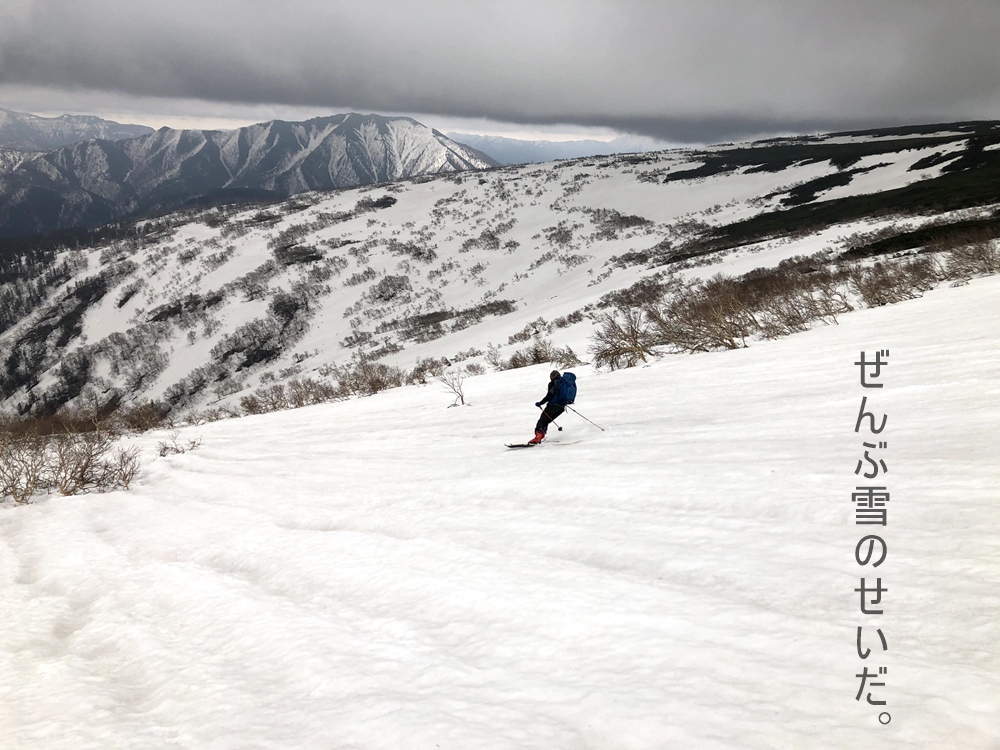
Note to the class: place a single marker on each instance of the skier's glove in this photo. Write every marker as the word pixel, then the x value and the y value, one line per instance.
pixel 538 404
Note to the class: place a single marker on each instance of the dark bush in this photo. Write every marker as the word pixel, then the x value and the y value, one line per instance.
pixel 389 288
pixel 290 255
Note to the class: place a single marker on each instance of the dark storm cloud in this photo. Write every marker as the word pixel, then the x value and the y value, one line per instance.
pixel 695 70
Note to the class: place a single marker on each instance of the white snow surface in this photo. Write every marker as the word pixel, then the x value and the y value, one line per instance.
pixel 382 573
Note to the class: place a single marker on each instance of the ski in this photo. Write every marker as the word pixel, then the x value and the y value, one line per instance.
pixel 532 445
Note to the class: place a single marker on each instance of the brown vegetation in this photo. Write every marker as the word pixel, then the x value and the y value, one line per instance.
pixel 664 314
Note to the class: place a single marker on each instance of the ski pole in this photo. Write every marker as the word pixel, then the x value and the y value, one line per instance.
pixel 583 417
pixel 551 421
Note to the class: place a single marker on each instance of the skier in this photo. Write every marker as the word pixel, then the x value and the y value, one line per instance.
pixel 561 391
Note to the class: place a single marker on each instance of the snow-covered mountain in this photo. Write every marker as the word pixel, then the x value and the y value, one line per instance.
pixel 95 182
pixel 476 270
pixel 10 159
pixel 508 151
pixel 21 131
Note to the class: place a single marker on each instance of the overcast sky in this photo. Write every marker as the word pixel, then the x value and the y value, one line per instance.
pixel 681 70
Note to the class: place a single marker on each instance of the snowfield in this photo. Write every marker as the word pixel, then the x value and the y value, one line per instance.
pixel 382 573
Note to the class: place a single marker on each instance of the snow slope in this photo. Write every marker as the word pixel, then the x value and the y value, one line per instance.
pixel 541 241
pixel 381 573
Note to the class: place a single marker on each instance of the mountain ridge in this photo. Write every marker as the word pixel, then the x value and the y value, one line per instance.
pixel 93 182
pixel 513 151
pixel 25 132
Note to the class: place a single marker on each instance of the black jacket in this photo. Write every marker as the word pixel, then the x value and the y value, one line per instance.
pixel 553 386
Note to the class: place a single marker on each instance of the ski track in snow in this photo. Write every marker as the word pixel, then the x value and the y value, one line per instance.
pixel 382 573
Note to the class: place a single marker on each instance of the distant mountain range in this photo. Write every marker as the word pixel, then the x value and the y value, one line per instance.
pixel 20 131
pixel 508 151
pixel 95 182
pixel 78 171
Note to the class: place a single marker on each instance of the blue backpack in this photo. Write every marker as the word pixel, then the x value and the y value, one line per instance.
pixel 565 389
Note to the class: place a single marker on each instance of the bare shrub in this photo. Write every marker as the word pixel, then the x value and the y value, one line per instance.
pixel 494 358
pixel 173 447
pixel 568 320
pixel 453 381
pixel 887 282
pixel 540 352
pixel 23 465
pixel 367 378
pixel 532 329
pixel 646 292
pixel 924 273
pixel 83 461
pixel 214 414
pixel 72 452
pixel 622 339
pixel 89 414
pixel 427 367
pixel 566 357
pixel 273 397
pixel 870 284
pixel 309 391
pixel 791 311
pixel 294 394
pixel 709 316
pixel 724 313
pixel 784 306
pixel 125 466
pixel 71 463
pixel 780 300
pixel 150 415
pixel 976 259
pixel 251 404
pixel 830 297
